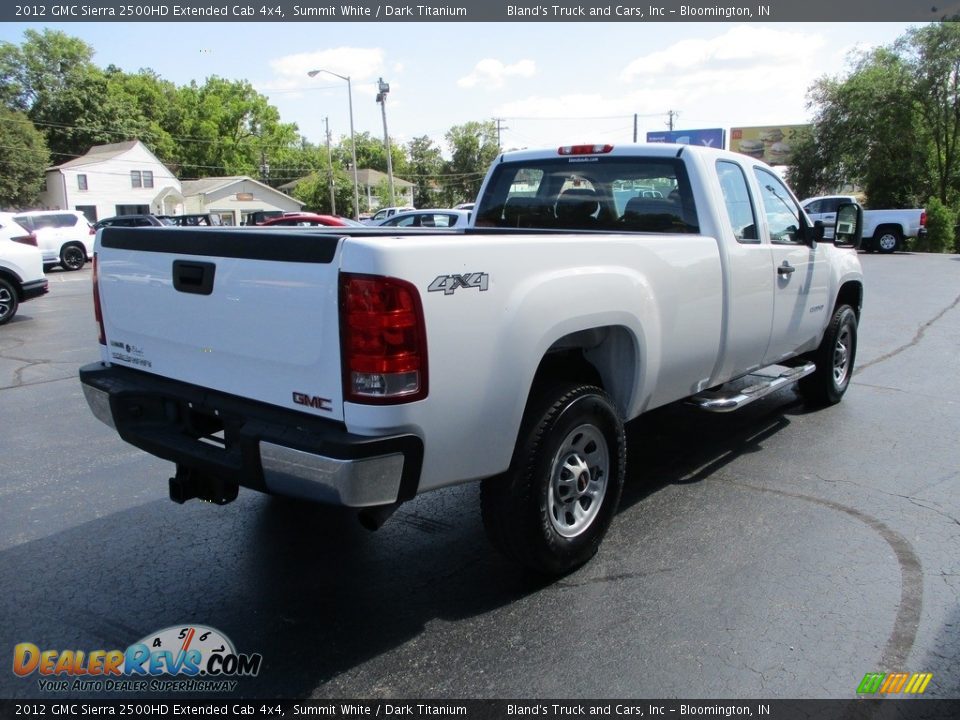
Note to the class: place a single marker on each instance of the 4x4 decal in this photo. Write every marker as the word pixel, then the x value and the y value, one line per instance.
pixel 449 283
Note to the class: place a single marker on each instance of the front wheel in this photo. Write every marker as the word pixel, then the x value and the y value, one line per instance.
pixel 8 301
pixel 72 257
pixel 552 508
pixel 834 359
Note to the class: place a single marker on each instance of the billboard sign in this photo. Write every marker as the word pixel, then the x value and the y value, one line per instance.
pixel 771 143
pixel 714 137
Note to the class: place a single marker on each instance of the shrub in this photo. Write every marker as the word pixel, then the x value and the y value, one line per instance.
pixel 940 229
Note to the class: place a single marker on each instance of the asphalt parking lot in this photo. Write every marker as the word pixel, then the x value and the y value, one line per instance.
pixel 774 553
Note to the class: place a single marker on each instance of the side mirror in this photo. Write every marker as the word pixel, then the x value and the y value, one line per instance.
pixel 849 227
pixel 818 230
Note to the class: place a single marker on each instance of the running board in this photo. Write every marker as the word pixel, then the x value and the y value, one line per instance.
pixel 743 391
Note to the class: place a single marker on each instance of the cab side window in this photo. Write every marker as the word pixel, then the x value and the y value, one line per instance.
pixel 736 197
pixel 782 213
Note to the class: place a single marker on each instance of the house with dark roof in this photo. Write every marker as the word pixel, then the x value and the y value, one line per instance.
pixel 117 179
pixel 234 198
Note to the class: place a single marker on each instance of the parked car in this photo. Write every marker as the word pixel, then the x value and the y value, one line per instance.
pixel 21 267
pixel 304 220
pixel 257 218
pixel 134 221
pixel 194 220
pixel 64 237
pixel 428 219
pixel 883 230
pixel 383 213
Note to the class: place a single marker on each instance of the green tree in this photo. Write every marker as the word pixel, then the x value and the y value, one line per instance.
pixel 865 134
pixel 23 159
pixel 473 147
pixel 426 166
pixel 932 57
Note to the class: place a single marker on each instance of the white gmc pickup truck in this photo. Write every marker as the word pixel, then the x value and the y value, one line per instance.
pixel 361 367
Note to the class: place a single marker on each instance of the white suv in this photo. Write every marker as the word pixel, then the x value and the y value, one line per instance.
pixel 63 236
pixel 21 267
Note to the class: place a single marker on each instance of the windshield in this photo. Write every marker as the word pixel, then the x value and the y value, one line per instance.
pixel 622 194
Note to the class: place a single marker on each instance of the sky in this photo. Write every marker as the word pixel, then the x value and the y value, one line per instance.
pixel 551 83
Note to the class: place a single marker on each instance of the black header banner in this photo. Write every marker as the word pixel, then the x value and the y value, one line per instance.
pixel 645 11
pixel 887 709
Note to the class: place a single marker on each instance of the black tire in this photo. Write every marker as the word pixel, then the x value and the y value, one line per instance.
pixel 834 359
pixel 72 256
pixel 887 239
pixel 9 302
pixel 552 508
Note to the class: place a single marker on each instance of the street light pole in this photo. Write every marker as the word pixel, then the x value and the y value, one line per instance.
pixel 383 89
pixel 353 139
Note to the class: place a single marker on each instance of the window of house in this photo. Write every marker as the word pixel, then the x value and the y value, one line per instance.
pixel 148 178
pixel 135 179
pixel 81 182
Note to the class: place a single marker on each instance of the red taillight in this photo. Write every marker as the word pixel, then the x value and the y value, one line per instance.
pixel 30 239
pixel 584 149
pixel 383 340
pixel 97 313
pixel 923 218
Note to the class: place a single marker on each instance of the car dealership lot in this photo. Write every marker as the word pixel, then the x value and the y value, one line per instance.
pixel 775 552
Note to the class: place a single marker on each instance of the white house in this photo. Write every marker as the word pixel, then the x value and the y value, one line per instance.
pixel 234 198
pixel 117 179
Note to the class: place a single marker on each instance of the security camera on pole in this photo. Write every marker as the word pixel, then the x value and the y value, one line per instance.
pixel 383 88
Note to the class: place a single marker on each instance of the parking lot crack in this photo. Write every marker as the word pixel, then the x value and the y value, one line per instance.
pixel 919 502
pixel 916 338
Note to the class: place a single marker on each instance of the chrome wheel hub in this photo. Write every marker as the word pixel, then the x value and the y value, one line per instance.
pixel 578 480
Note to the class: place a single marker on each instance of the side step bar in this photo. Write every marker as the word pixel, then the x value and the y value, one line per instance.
pixel 743 391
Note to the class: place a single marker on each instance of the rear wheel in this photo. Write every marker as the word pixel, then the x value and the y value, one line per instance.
pixel 552 508
pixel 834 359
pixel 8 301
pixel 72 256
pixel 888 239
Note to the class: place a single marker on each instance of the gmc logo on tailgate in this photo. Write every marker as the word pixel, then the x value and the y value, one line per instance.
pixel 314 401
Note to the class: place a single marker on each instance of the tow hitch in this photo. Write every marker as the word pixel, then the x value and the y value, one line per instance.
pixel 191 483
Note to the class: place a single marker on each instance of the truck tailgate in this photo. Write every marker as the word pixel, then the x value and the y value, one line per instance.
pixel 252 313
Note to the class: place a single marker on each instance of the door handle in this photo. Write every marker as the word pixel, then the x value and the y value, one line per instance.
pixel 786 269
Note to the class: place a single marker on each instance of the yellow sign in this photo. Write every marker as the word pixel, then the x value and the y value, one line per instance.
pixel 771 143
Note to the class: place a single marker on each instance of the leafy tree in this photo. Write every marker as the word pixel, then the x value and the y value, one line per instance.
pixel 473 147
pixel 314 191
pixel 426 166
pixel 23 159
pixel 858 120
pixel 932 57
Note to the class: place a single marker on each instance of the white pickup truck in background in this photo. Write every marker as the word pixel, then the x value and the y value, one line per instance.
pixel 883 230
pixel 361 367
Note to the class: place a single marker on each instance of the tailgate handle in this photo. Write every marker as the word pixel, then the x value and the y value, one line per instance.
pixel 193 277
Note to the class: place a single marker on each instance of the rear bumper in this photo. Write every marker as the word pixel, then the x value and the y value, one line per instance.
pixel 35 288
pixel 253 444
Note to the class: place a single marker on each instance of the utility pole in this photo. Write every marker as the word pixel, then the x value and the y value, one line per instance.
pixel 635 127
pixel 383 89
pixel 500 127
pixel 670 116
pixel 333 199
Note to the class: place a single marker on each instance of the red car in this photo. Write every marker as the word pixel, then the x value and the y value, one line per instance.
pixel 306 220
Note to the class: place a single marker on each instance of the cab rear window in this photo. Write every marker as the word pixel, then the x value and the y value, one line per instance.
pixel 591 193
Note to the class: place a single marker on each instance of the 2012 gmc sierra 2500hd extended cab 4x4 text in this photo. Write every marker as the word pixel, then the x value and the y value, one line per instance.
pixel 361 367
